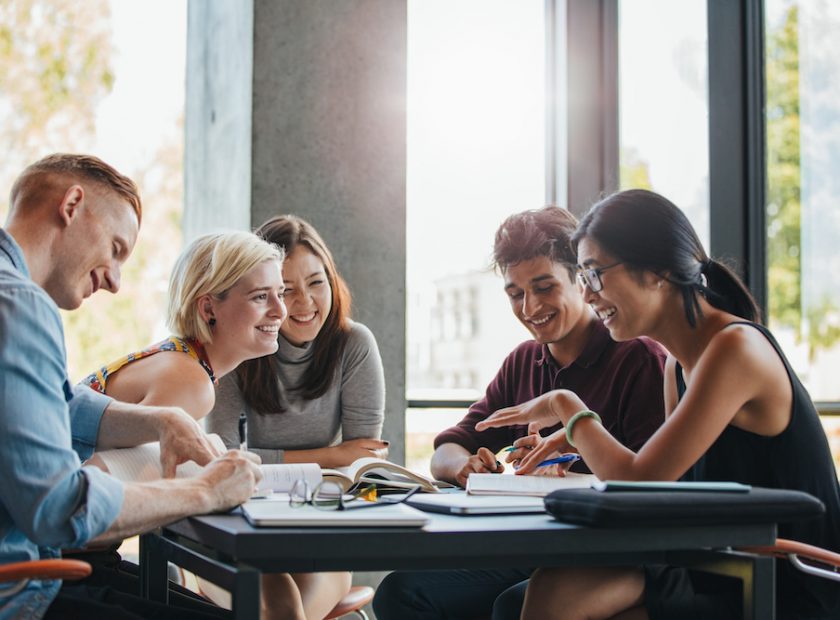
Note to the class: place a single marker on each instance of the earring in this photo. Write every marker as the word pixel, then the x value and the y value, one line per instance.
pixel 659 284
pixel 211 322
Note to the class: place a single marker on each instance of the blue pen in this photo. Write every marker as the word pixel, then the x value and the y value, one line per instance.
pixel 566 458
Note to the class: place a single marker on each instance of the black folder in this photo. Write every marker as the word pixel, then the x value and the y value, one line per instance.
pixel 680 508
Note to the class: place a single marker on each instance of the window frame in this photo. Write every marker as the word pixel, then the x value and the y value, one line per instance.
pixel 587 126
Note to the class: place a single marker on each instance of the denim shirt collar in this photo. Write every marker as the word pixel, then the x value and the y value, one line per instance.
pixel 11 251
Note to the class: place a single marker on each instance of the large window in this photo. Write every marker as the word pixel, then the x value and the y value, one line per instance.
pixel 663 103
pixel 803 157
pixel 475 155
pixel 86 79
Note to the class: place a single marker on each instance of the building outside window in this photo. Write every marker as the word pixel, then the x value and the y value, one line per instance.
pixel 476 141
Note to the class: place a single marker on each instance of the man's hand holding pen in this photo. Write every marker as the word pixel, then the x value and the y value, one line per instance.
pixel 482 462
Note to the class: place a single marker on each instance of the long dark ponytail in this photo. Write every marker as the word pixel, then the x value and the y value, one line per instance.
pixel 647 232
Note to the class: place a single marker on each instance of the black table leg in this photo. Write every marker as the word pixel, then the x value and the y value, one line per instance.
pixel 246 594
pixel 154 580
pixel 757 574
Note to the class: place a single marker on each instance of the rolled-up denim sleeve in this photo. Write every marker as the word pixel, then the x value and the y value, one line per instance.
pixel 46 492
pixel 86 409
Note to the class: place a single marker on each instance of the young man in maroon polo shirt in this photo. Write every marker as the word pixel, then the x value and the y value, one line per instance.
pixel 570 349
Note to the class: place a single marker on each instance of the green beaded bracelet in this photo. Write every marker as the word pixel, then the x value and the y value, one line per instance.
pixel 580 414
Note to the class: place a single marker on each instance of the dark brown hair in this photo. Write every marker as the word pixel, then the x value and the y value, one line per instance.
pixel 259 378
pixel 538 232
pixel 35 179
pixel 647 232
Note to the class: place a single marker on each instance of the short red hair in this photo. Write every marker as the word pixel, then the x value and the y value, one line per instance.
pixel 33 180
pixel 537 232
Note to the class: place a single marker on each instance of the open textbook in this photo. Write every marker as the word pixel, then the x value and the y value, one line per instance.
pixel 537 486
pixel 142 464
pixel 383 473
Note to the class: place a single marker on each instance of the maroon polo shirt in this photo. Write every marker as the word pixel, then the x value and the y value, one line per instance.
pixel 621 381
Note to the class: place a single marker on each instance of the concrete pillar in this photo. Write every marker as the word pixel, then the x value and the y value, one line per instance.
pixel 217 160
pixel 298 106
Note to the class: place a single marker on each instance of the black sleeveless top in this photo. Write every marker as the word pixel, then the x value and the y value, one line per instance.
pixel 797 458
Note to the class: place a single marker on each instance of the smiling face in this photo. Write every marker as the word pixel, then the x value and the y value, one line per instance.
pixel 249 317
pixel 546 301
pixel 92 249
pixel 308 296
pixel 629 303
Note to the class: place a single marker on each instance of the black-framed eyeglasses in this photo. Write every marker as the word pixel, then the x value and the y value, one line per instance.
pixel 591 277
pixel 329 495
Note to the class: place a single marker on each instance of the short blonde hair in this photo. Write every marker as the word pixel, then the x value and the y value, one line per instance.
pixel 211 265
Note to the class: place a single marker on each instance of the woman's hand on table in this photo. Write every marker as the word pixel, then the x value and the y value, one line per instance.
pixel 353 449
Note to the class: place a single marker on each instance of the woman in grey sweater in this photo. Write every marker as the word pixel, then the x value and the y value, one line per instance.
pixel 321 397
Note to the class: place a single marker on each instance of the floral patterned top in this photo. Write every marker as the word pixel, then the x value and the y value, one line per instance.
pixel 99 379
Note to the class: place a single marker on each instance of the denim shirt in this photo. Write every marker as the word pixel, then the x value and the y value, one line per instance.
pixel 47 499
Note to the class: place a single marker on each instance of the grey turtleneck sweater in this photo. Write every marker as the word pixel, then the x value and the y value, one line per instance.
pixel 352 408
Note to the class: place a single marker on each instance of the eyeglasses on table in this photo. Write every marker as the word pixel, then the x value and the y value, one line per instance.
pixel 329 495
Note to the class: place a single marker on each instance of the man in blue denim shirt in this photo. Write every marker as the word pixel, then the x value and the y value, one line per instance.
pixel 73 221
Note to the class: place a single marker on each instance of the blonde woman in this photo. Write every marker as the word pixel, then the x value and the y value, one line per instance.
pixel 225 306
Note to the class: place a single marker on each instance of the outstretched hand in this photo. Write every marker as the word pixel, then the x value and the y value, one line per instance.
pixel 541 412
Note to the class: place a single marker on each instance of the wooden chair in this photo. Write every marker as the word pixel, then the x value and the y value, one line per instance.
pixel 807 558
pixel 22 572
pixel 353 601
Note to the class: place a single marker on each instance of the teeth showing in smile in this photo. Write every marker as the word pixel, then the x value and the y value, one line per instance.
pixel 271 329
pixel 605 314
pixel 303 318
pixel 542 321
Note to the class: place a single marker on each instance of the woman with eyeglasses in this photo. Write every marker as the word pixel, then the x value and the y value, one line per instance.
pixel 735 411
pixel 321 397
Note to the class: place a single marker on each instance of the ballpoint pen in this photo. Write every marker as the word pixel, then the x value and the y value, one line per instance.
pixel 243 432
pixel 565 458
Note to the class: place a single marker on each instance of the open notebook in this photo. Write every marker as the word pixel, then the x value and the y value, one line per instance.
pixel 277 513
pixel 142 464
pixel 536 486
